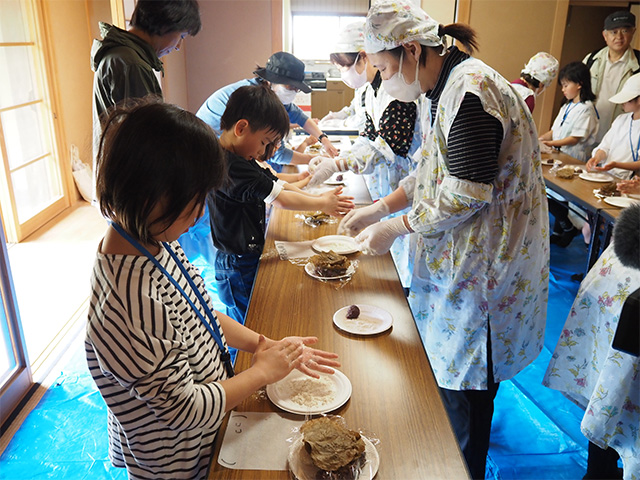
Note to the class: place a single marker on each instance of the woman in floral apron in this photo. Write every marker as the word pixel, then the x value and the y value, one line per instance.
pixel 478 207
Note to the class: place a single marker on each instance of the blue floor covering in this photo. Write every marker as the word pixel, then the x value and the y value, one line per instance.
pixel 535 435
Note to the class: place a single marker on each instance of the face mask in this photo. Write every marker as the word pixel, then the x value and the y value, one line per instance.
pixel 352 78
pixel 399 89
pixel 285 95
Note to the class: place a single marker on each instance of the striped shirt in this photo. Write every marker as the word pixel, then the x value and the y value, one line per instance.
pixel 156 367
pixel 475 137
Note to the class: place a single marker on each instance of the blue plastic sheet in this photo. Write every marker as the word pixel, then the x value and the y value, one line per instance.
pixel 535 435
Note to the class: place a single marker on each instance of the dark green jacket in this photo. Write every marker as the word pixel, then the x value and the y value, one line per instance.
pixel 124 67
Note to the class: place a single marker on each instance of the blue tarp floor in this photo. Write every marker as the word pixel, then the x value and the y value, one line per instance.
pixel 535 435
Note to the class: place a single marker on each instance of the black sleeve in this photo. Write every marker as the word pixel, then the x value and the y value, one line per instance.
pixel 247 181
pixel 474 142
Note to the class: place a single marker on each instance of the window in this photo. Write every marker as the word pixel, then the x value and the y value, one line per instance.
pixel 314 35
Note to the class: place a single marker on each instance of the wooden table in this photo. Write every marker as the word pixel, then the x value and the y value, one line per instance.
pixel 580 192
pixel 395 395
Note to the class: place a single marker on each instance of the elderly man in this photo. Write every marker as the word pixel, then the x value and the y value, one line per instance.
pixel 611 66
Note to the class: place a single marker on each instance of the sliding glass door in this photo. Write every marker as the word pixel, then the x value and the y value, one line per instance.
pixel 15 375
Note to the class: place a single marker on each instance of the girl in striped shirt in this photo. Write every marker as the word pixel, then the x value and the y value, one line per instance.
pixel 155 348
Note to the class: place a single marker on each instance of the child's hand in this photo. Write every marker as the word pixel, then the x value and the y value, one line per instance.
pixel 592 163
pixel 336 204
pixel 304 175
pixel 629 186
pixel 276 359
pixel 313 360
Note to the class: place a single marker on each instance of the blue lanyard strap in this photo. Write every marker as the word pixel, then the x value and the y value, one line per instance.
pixel 210 325
pixel 634 153
pixel 566 112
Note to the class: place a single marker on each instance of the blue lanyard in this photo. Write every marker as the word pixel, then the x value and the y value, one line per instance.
pixel 634 153
pixel 210 325
pixel 566 112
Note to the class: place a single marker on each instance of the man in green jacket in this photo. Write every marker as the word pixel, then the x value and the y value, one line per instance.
pixel 612 65
pixel 124 61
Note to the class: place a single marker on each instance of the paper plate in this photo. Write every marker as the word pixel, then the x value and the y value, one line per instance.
pixel 336 179
pixel 551 161
pixel 309 268
pixel 621 202
pixel 281 393
pixel 596 177
pixel 340 244
pixel 303 468
pixel 371 321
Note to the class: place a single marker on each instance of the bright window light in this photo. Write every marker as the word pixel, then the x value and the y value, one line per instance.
pixel 314 35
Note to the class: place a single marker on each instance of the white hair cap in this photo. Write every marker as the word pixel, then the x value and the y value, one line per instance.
pixel 543 67
pixel 350 39
pixel 393 23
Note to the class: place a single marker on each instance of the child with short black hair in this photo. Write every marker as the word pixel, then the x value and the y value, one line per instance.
pixel 254 121
pixel 155 347
pixel 574 130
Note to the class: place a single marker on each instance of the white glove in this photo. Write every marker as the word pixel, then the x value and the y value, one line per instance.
pixel 357 219
pixel 314 162
pixel 324 170
pixel 377 239
pixel 340 115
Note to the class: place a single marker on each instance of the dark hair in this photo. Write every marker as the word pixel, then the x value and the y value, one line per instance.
pixel 159 17
pixel 578 72
pixel 530 80
pixel 344 59
pixel 154 153
pixel 461 32
pixel 258 105
pixel 626 239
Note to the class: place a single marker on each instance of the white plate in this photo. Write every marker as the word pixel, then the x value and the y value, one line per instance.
pixel 551 161
pixel 333 180
pixel 372 320
pixel 310 270
pixel 340 244
pixel 303 468
pixel 621 202
pixel 596 177
pixel 280 394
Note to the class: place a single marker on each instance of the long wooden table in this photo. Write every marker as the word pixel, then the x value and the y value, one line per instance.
pixel 394 392
pixel 580 192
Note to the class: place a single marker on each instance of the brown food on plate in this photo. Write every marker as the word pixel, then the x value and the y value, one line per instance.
pixel 339 178
pixel 353 312
pixel 577 170
pixel 565 172
pixel 316 218
pixel 330 264
pixel 330 444
pixel 609 190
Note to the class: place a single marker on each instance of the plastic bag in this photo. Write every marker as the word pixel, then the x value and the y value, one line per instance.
pixel 82 174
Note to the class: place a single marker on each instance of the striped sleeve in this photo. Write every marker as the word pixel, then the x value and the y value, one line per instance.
pixel 474 142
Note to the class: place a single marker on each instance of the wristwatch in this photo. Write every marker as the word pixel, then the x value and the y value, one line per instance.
pixel 323 135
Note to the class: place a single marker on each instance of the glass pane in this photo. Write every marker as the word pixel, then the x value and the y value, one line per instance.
pixel 13 21
pixel 35 187
pixel 18 82
pixel 7 358
pixel 308 28
pixel 26 134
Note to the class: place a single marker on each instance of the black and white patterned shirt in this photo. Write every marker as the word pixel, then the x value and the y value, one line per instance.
pixel 156 366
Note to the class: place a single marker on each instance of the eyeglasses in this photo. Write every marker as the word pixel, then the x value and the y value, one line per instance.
pixel 622 31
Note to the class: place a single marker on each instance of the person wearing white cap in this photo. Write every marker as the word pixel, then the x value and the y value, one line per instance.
pixel 618 152
pixel 347 53
pixel 536 75
pixel 389 138
pixel 479 212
